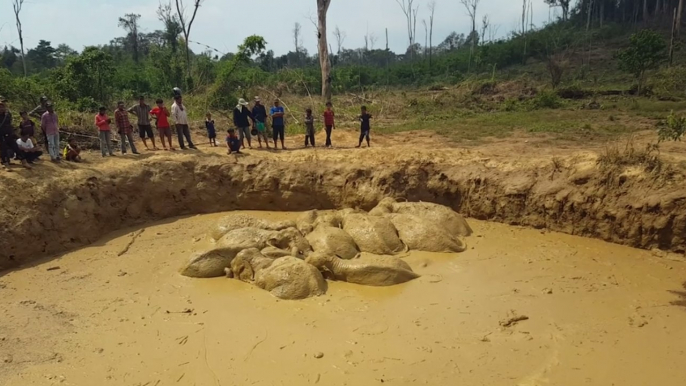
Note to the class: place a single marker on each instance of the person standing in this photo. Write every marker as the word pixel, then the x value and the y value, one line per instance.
pixel 241 119
pixel 7 140
pixel 124 128
pixel 102 122
pixel 180 115
pixel 329 122
pixel 161 114
pixel 38 114
pixel 365 126
pixel 50 124
pixel 259 114
pixel 142 111
pixel 309 128
pixel 211 131
pixel 278 123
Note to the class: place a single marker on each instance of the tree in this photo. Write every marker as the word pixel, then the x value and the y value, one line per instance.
pixel 88 75
pixel 64 52
pixel 679 13
pixel 340 39
pixel 186 26
pixel 42 57
pixel 16 5
pixel 432 11
pixel 647 49
pixel 296 37
pixel 324 63
pixel 172 28
pixel 471 6
pixel 411 19
pixel 130 24
pixel 564 4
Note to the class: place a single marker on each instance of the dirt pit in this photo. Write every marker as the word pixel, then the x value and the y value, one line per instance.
pixel 519 307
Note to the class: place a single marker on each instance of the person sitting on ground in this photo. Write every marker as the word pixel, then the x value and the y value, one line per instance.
pixel 211 132
pixel 72 151
pixel 365 126
pixel 162 115
pixel 309 128
pixel 232 142
pixel 28 152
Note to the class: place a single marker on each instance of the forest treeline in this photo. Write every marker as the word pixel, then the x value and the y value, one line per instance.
pixel 153 63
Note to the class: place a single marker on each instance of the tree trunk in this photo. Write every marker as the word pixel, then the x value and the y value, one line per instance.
pixel 589 13
pixel 322 9
pixel 679 12
pixel 645 11
pixel 658 8
pixel 671 42
pixel 17 9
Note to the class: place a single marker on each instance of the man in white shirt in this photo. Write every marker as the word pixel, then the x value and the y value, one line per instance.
pixel 180 116
pixel 27 151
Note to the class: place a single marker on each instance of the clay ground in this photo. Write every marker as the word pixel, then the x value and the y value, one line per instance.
pixel 598 314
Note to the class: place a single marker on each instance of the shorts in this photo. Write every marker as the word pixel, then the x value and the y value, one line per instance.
pixel 261 128
pixel 145 131
pixel 164 131
pixel 278 131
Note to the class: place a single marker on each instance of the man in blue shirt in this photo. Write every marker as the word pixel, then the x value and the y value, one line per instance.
pixel 278 125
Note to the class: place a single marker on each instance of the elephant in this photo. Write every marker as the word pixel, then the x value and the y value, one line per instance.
pixel 247 263
pixel 367 269
pixel 291 278
pixel 333 241
pixel 440 215
pixel 373 234
pixel 421 234
pixel 236 221
pixel 212 262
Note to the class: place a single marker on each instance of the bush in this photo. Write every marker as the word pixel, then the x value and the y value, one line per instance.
pixel 546 99
pixel 673 129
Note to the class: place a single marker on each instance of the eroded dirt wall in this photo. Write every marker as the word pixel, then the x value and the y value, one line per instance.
pixel 50 216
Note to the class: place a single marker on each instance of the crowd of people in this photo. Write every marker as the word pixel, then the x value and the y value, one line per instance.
pixel 248 123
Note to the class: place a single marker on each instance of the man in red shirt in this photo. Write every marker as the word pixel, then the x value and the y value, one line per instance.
pixel 124 127
pixel 329 122
pixel 161 115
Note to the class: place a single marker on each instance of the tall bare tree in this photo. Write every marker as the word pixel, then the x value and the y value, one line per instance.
pixel 432 12
pixel 297 40
pixel 426 37
pixel 485 22
pixel 130 23
pixel 186 25
pixel 16 5
pixel 340 38
pixel 410 12
pixel 324 63
pixel 679 13
pixel 172 28
pixel 471 6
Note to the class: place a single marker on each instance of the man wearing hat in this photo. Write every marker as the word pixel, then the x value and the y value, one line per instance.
pixel 259 113
pixel 241 119
pixel 50 125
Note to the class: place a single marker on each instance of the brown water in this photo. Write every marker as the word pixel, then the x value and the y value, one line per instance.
pixel 599 314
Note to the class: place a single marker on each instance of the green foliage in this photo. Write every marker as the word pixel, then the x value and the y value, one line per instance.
pixel 646 51
pixel 88 75
pixel 673 129
pixel 546 99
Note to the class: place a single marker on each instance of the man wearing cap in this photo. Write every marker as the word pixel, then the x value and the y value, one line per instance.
pixel 49 123
pixel 241 117
pixel 180 115
pixel 259 114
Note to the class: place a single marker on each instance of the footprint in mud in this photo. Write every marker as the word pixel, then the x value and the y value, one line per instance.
pixel 431 278
pixel 372 329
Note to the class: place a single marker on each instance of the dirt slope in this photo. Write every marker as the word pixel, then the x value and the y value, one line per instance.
pixel 55 208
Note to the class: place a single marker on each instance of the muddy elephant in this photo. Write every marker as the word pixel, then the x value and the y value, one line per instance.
pixel 367 269
pixel 421 234
pixel 440 215
pixel 309 221
pixel 211 263
pixel 333 241
pixel 247 263
pixel 373 234
pixel 291 278
pixel 236 221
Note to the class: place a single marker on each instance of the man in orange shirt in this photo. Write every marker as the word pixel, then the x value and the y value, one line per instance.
pixel 102 122
pixel 161 115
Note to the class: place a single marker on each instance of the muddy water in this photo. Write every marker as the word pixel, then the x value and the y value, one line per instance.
pixel 598 314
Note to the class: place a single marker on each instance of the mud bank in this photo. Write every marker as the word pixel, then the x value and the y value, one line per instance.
pixel 51 215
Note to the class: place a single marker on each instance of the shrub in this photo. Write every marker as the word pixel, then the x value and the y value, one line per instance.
pixel 546 99
pixel 673 129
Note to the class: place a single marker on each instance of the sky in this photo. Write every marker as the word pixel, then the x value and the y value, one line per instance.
pixel 223 24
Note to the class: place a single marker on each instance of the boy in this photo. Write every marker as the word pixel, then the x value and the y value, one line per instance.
pixel 233 142
pixel 161 115
pixel 211 132
pixel 142 111
pixel 27 151
pixel 329 122
pixel 278 125
pixel 72 151
pixel 365 126
pixel 102 122
pixel 309 128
